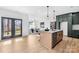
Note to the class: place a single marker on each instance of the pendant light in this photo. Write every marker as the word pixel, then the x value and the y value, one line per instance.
pixel 47 12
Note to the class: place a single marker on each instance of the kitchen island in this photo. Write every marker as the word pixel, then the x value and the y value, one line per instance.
pixel 50 39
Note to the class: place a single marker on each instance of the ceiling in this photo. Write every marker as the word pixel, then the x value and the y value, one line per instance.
pixel 30 10
pixel 42 10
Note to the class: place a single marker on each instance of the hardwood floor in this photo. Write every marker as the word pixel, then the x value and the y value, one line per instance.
pixel 31 44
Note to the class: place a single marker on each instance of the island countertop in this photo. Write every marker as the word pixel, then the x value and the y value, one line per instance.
pixel 50 31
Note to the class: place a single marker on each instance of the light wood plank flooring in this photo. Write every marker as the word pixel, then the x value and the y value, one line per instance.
pixel 31 44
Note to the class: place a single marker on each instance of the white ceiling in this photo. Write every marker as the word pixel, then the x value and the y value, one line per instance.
pixel 31 10
pixel 65 9
pixel 42 10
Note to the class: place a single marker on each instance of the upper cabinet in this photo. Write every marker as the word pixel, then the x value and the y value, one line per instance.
pixel 75 18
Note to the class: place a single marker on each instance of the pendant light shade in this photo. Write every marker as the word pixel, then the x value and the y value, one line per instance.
pixel 47 11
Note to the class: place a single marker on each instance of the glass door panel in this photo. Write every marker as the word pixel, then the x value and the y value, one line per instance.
pixel 7 28
pixel 18 27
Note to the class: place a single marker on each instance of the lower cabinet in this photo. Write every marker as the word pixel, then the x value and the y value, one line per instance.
pixel 56 38
pixel 50 39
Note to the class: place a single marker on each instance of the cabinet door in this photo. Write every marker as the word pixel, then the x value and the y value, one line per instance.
pixel 75 18
pixel 59 36
pixel 54 39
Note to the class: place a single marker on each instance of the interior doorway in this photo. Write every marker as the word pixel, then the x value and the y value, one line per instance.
pixel 11 27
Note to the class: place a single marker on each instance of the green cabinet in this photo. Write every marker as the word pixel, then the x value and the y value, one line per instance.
pixel 75 18
pixel 72 19
pixel 63 18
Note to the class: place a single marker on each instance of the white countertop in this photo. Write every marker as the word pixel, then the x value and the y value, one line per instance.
pixel 55 31
pixel 52 31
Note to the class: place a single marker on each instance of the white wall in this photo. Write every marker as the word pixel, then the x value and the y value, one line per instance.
pixel 37 21
pixel 12 14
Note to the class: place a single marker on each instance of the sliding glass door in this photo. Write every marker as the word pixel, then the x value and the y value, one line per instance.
pixel 18 27
pixel 6 28
pixel 11 27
